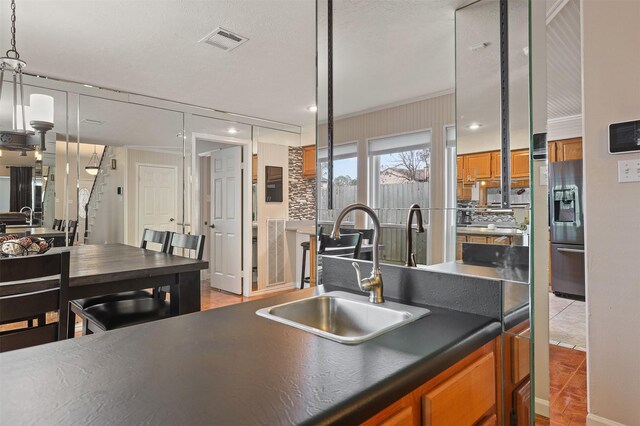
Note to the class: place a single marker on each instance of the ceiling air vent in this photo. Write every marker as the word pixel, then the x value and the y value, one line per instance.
pixel 223 39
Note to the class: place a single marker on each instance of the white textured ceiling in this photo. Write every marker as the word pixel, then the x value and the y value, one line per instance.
pixel 150 48
pixel 564 86
pixel 387 51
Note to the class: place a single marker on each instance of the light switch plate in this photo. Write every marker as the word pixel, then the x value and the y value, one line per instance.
pixel 629 170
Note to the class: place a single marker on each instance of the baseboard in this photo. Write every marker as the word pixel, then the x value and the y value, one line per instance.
pixel 593 420
pixel 542 407
pixel 272 289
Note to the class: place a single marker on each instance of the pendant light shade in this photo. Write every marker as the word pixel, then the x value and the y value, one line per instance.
pixel 41 108
pixel 93 167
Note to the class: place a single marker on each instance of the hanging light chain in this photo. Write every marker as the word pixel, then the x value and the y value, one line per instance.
pixel 13 50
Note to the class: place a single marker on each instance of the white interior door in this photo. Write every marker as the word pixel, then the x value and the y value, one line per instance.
pixel 226 217
pixel 157 205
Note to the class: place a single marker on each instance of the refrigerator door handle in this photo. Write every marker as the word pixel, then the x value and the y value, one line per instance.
pixel 568 250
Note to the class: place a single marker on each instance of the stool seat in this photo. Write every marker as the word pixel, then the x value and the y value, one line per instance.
pixel 91 301
pixel 123 313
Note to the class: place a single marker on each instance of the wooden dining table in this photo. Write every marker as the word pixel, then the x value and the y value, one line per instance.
pixel 96 270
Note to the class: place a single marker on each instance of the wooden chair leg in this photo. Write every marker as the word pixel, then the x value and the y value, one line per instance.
pixel 304 266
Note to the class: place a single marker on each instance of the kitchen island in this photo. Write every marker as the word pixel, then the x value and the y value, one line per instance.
pixel 230 366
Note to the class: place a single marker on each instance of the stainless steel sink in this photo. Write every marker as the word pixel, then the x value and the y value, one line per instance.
pixel 343 317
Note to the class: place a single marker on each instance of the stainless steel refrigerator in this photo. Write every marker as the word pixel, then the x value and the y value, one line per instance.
pixel 567 228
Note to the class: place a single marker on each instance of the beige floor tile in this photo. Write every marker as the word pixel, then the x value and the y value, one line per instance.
pixel 557 304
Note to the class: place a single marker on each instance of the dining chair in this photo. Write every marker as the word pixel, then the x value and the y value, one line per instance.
pixel 367 234
pixel 73 228
pixel 78 306
pixel 345 241
pixel 123 313
pixel 56 224
pixel 25 300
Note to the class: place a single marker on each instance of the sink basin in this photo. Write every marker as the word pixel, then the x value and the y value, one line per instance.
pixel 343 317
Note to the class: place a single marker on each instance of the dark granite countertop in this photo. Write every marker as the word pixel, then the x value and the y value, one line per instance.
pixel 230 366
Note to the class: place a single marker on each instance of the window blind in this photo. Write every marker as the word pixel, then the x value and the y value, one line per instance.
pixel 340 152
pixel 399 143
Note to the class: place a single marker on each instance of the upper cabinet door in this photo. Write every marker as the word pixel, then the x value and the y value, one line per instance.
pixel 551 152
pixel 571 149
pixel 309 161
pixel 495 165
pixel 520 163
pixel 477 166
pixel 460 167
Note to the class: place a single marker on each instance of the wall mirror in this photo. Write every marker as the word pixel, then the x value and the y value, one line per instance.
pixel 429 133
pixel 448 129
pixel 28 177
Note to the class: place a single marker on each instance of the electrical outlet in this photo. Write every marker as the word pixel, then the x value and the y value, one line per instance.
pixel 629 170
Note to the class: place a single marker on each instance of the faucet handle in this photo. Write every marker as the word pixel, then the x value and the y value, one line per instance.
pixel 356 266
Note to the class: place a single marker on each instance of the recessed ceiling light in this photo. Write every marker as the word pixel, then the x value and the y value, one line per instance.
pixel 232 131
pixel 312 108
pixel 474 126
pixel 87 85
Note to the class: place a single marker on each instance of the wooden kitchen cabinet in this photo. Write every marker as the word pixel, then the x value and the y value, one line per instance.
pixel 309 161
pixel 477 239
pixel 517 373
pixel 254 167
pixel 464 192
pixel 460 239
pixel 477 166
pixel 460 166
pixel 565 150
pixel 499 239
pixel 520 163
pixel 467 393
pixel 496 170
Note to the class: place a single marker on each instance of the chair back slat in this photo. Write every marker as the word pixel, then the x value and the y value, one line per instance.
pixel 73 228
pixel 367 234
pixel 56 224
pixel 346 240
pixel 29 267
pixel 188 242
pixel 29 305
pixel 26 337
pixel 159 237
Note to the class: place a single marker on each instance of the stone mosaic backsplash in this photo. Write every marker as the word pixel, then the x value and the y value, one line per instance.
pixel 492 217
pixel 302 191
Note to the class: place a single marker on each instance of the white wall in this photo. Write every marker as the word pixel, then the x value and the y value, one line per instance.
pixel 540 211
pixel 278 156
pixel 611 92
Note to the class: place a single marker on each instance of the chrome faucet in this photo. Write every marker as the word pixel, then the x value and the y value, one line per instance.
pixel 372 284
pixel 411 256
pixel 30 214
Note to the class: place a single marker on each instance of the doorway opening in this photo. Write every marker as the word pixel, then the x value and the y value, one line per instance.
pixel 222 210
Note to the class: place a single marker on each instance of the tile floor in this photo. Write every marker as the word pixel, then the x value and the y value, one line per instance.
pixel 567 323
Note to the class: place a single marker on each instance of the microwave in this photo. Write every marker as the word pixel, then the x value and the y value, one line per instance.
pixel 624 137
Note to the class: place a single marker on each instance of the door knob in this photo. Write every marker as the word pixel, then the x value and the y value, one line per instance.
pixel 212 226
pixel 171 220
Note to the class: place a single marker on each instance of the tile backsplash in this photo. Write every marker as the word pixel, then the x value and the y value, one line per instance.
pixel 302 191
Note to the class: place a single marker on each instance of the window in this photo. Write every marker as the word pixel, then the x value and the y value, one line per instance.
pixel 345 180
pixel 451 186
pixel 399 167
pixel 399 176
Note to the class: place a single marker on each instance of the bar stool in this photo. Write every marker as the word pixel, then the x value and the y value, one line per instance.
pixel 305 250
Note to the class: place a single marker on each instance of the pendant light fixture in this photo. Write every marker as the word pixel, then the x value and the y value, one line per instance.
pixel 20 137
pixel 93 167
